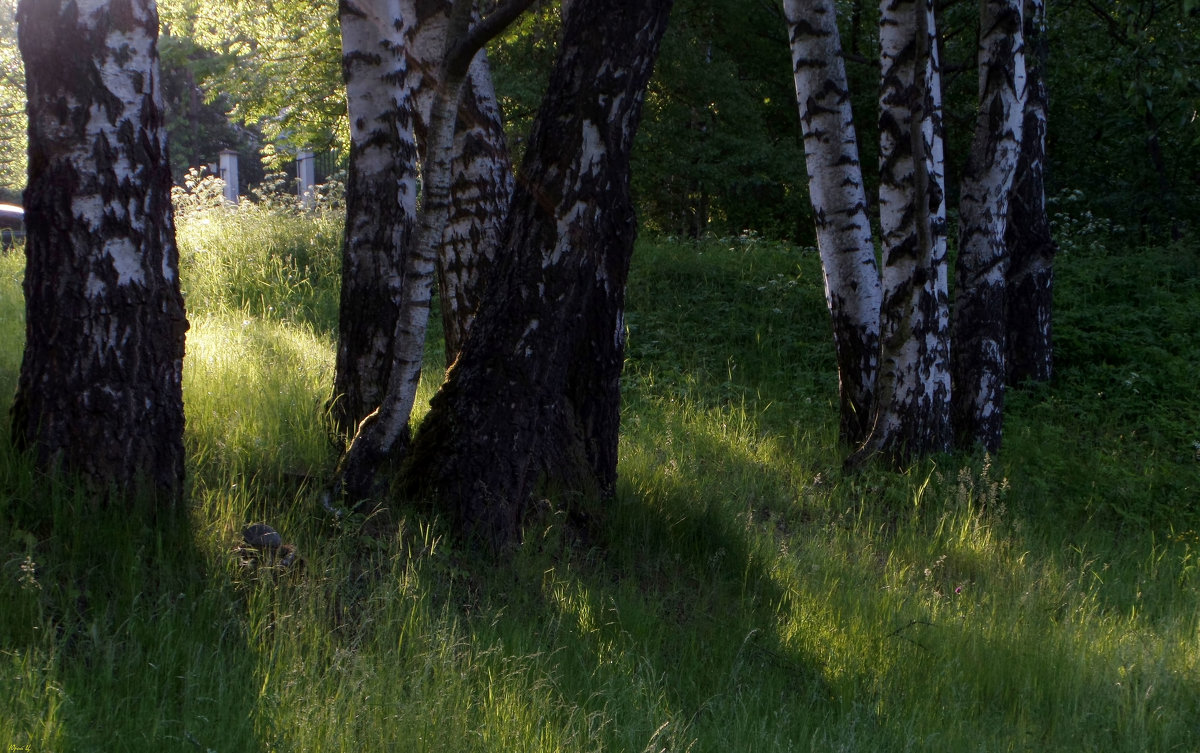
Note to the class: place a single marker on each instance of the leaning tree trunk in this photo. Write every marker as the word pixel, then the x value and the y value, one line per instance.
pixel 912 403
pixel 1031 247
pixel 979 327
pixel 100 391
pixel 534 397
pixel 835 186
pixel 381 201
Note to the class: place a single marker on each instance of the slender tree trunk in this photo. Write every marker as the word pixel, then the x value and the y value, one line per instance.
pixel 100 390
pixel 481 188
pixel 1031 248
pixel 835 186
pixel 912 396
pixel 980 322
pixel 381 199
pixel 534 397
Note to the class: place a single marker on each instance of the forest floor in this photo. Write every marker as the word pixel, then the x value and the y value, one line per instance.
pixel 740 593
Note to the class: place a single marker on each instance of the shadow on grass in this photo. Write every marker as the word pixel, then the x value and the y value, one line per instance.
pixel 119 638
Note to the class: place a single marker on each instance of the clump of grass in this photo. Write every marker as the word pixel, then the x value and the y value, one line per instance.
pixel 265 260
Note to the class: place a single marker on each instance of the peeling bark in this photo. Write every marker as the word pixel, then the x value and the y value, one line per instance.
pixel 980 322
pixel 911 416
pixel 835 185
pixel 100 389
pixel 534 397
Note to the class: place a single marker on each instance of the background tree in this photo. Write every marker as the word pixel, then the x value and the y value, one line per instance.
pixel 279 64
pixel 534 398
pixel 980 322
pixel 839 201
pixel 100 392
pixel 1029 352
pixel 912 404
pixel 1122 125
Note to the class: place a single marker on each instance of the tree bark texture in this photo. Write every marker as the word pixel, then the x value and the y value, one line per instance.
pixel 100 389
pixel 912 403
pixel 381 199
pixel 480 190
pixel 1031 247
pixel 481 177
pixel 980 321
pixel 534 397
pixel 835 184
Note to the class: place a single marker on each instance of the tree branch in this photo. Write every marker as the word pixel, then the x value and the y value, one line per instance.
pixel 459 57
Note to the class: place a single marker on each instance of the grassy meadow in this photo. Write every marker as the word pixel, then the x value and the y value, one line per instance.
pixel 741 593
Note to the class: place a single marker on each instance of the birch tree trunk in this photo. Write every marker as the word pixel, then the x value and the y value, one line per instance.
pixel 481 187
pixel 534 398
pixel 481 179
pixel 392 52
pixel 912 403
pixel 1031 247
pixel 99 392
pixel 835 186
pixel 980 323
pixel 381 199
pixel 382 435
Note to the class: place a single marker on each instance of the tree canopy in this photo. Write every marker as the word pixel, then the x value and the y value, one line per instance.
pixel 720 150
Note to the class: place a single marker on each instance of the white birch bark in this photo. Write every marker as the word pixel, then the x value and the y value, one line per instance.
pixel 481 187
pixel 381 199
pixel 912 402
pixel 839 201
pixel 980 320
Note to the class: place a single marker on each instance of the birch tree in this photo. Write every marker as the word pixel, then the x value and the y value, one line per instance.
pixel 912 403
pixel 383 434
pixel 392 51
pixel 381 198
pixel 835 185
pixel 534 398
pixel 980 323
pixel 481 184
pixel 1029 353
pixel 99 393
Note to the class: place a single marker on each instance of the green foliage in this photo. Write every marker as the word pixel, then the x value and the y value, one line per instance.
pixel 739 593
pixel 12 107
pixel 278 64
pixel 198 124
pixel 1124 97
pixel 718 150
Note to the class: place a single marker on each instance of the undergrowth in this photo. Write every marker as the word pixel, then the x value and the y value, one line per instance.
pixel 739 593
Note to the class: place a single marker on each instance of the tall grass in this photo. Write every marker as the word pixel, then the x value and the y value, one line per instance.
pixel 739 593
